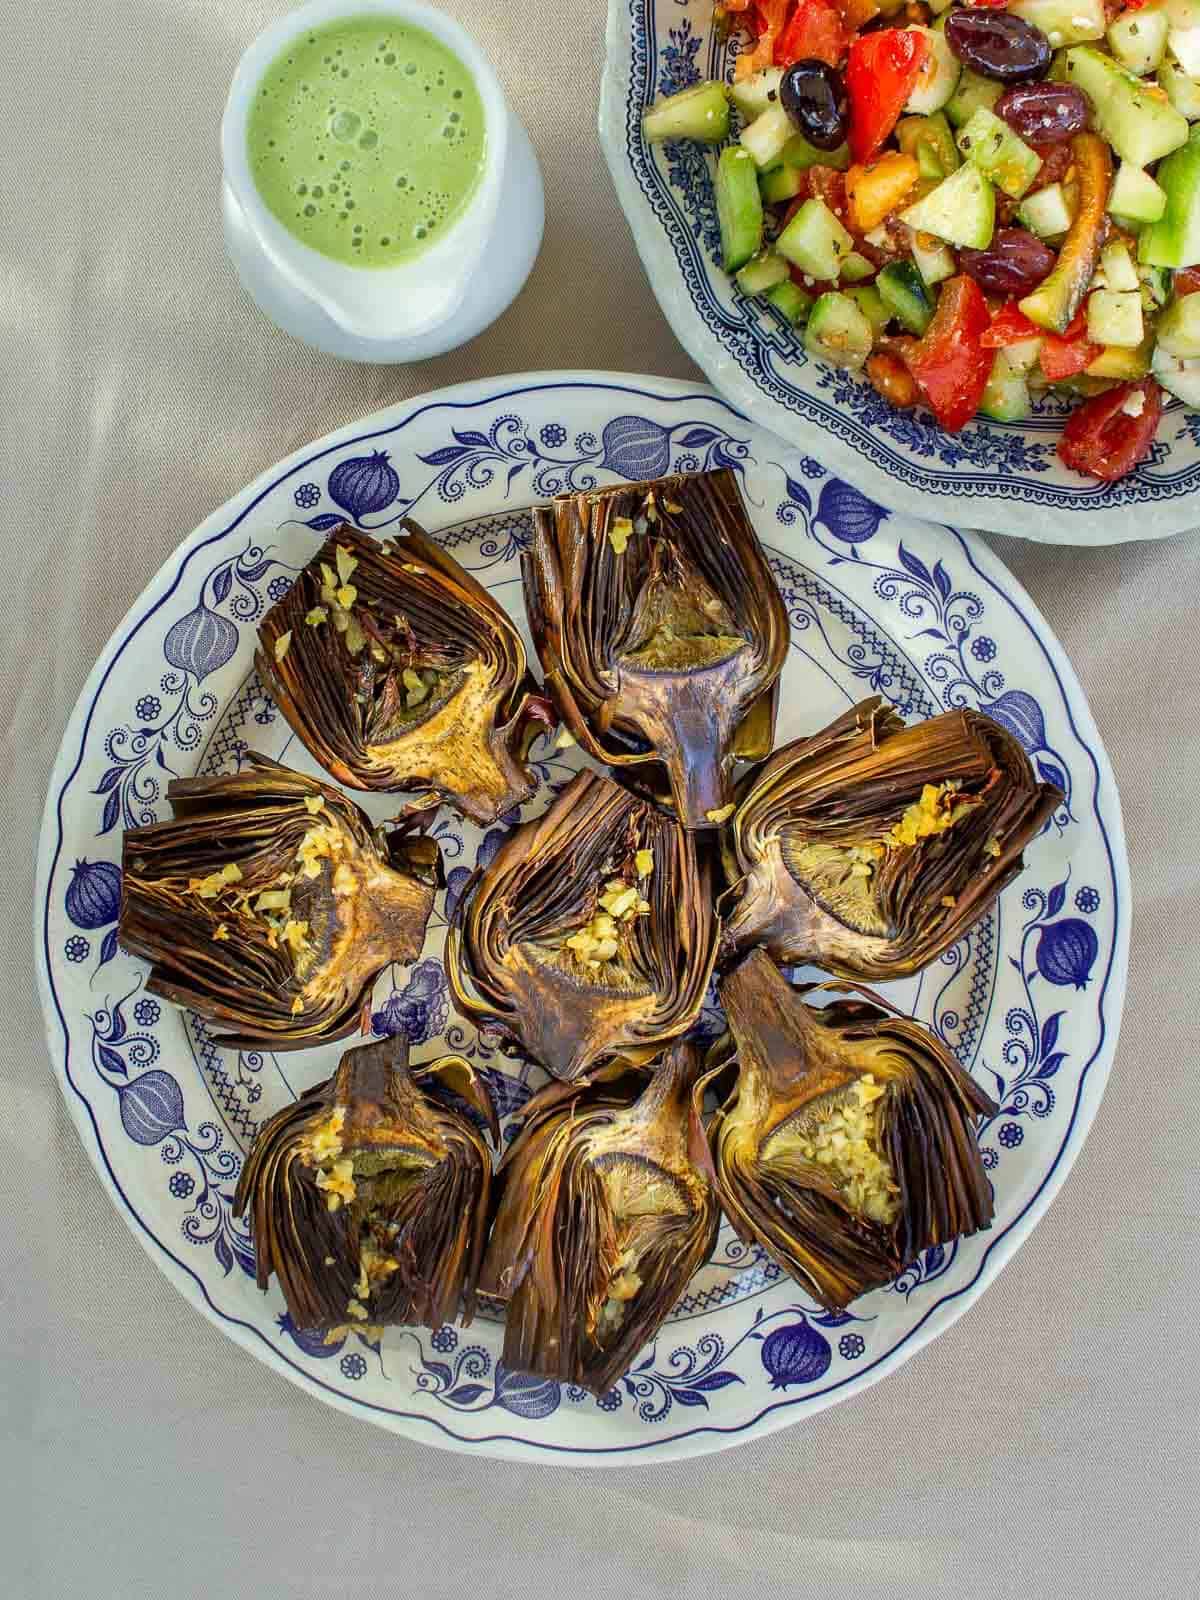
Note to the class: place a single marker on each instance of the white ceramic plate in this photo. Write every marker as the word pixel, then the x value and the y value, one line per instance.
pixel 998 475
pixel 879 604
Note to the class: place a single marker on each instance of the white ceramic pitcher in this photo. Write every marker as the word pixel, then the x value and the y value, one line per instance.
pixel 423 306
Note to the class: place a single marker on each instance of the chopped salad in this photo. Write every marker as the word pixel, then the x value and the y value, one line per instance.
pixel 973 203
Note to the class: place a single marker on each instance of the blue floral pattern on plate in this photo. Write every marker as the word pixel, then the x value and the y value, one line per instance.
pixel 1003 476
pixel 877 604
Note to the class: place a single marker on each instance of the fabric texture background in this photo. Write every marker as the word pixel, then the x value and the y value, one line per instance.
pixel 1046 1446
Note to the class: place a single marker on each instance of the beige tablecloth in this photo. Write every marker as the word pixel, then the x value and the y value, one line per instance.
pixel 1045 1447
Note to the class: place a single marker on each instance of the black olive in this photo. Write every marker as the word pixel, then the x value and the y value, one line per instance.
pixel 814 97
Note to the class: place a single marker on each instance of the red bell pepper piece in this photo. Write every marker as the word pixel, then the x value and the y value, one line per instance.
pixel 1067 355
pixel 881 72
pixel 951 363
pixel 1010 325
pixel 1105 440
pixel 814 32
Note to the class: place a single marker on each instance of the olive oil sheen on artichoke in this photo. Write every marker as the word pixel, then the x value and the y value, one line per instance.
pixel 366 140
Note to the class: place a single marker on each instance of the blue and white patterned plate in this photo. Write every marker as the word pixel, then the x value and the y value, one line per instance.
pixel 879 604
pixel 1003 476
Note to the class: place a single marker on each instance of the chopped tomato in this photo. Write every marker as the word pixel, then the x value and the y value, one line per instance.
pixel 1109 434
pixel 987 2
pixel 951 362
pixel 1066 355
pixel 881 72
pixel 1010 325
pixel 769 18
pixel 1187 281
pixel 815 32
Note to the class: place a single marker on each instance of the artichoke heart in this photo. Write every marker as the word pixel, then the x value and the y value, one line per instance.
pixel 269 904
pixel 400 672
pixel 368 1197
pixel 575 944
pixel 848 1145
pixel 870 848
pixel 661 634
pixel 606 1210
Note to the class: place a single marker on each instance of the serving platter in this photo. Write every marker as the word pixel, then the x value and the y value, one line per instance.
pixel 878 603
pixel 1003 476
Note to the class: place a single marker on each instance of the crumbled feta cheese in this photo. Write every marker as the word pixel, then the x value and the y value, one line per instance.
pixel 1135 404
pixel 1055 38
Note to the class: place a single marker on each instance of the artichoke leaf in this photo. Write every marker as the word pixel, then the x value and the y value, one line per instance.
pixel 661 633
pixel 368 1198
pixel 269 904
pixel 870 848
pixel 402 673
pixel 560 942
pixel 849 1144
pixel 604 1215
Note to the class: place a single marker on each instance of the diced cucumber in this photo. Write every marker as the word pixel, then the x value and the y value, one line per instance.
pixel 1178 376
pixel 767 135
pixel 739 207
pixel 933 259
pixel 1138 39
pixel 973 91
pixel 1179 327
pixel 815 241
pixel 904 294
pixel 1046 213
pixel 800 154
pixel 838 331
pixel 1156 286
pixel 762 272
pixel 1117 266
pixel 1183 92
pixel 868 300
pixel 1114 318
pixel 932 137
pixel 1124 365
pixel 856 268
pixel 1140 125
pixel 999 153
pixel 1006 396
pixel 781 184
pixel 1023 356
pixel 1184 46
pixel 938 77
pixel 1135 195
pixel 1064 22
pixel 1174 240
pixel 961 210
pixel 755 94
pixel 790 299
pixel 701 113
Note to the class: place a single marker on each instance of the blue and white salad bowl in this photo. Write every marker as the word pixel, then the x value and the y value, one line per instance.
pixel 879 604
pixel 1003 476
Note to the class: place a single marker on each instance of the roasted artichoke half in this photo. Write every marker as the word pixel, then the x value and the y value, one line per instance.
pixel 870 848
pixel 661 634
pixel 590 936
pixel 848 1145
pixel 269 904
pixel 606 1210
pixel 368 1197
pixel 399 671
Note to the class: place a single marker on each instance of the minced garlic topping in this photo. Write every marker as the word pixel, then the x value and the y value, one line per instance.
pixel 337 1180
pixel 209 888
pixel 846 1142
pixel 720 814
pixel 624 1284
pixel 283 644
pixel 933 813
pixel 619 531
pixel 600 939
pixel 644 862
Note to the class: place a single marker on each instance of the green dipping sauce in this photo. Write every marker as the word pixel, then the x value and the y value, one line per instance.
pixel 366 140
